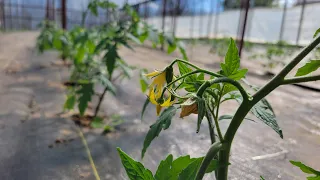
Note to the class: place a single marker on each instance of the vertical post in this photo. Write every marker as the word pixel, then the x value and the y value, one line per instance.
pixel 243 30
pixel 10 15
pixel 176 15
pixel 210 18
pixel 301 20
pixel 192 20
pixel 3 16
pixel 216 21
pixel 283 19
pixel 47 10
pixel 63 14
pixel 200 19
pixel 53 5
pixel 163 20
pixel 146 11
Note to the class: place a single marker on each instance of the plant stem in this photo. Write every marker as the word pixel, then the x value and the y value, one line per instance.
pixel 246 105
pixel 211 127
pixel 300 79
pixel 279 78
pixel 190 73
pixel 217 115
pixel 214 149
pixel 100 101
pixel 194 66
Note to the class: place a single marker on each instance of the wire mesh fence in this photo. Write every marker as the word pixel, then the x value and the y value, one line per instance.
pixel 265 21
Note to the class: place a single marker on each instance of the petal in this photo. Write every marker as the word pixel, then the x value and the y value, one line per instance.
pixel 153 74
pixel 158 109
pixel 152 96
pixel 167 103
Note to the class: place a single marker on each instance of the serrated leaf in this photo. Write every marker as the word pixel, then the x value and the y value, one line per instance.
pixel 316 33
pixel 146 103
pixel 232 59
pixel 308 68
pixel 305 168
pixel 110 58
pixel 200 77
pixel 182 50
pixel 184 69
pixel 239 74
pixel 163 122
pixel 164 168
pixel 106 82
pixel 70 102
pixel 191 170
pixel 135 170
pixel 178 165
pixel 133 38
pixel 97 122
pixel 85 93
pixel 263 113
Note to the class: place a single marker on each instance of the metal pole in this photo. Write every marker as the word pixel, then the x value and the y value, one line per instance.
pixel 301 20
pixel 210 18
pixel 63 14
pixel 3 15
pixel 200 19
pixel 47 10
pixel 283 19
pixel 176 14
pixel 163 20
pixel 247 5
pixel 192 21
pixel 216 21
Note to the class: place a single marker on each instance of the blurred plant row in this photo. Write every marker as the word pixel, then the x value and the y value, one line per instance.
pixel 93 53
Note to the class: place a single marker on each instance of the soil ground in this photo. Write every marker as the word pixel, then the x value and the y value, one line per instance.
pixel 38 141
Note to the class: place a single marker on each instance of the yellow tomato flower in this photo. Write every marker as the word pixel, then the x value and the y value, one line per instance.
pixel 156 89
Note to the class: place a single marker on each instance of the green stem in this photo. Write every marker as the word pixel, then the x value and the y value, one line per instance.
pixel 279 78
pixel 190 73
pixel 217 115
pixel 300 79
pixel 246 105
pixel 213 151
pixel 194 66
pixel 211 127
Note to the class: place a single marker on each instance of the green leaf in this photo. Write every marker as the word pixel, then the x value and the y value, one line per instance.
pixel 191 170
pixel 178 165
pixel 135 170
pixel 163 122
pixel 225 117
pixel 106 82
pixel 164 168
pixel 144 107
pixel 110 58
pixel 309 67
pixel 70 102
pixel 232 59
pixel 133 38
pixel 171 48
pixel 183 51
pixel 57 42
pixel 201 112
pixel 85 93
pixel 184 69
pixel 316 33
pixel 80 55
pixel 266 115
pixel 239 74
pixel 261 178
pixel 97 123
pixel 91 46
pixel 214 164
pixel 200 77
pixel 305 168
pixel 232 63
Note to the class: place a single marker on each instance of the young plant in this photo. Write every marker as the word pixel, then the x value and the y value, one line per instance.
pixel 94 52
pixel 198 91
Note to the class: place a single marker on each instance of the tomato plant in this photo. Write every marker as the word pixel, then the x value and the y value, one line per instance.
pixel 198 91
